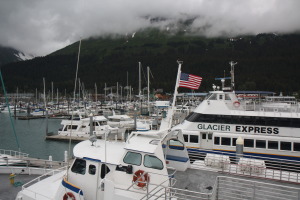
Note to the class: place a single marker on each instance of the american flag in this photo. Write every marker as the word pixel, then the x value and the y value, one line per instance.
pixel 190 81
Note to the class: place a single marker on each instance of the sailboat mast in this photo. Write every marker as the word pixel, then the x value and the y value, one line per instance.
pixel 79 86
pixel 148 87
pixel 140 80
pixel 52 91
pixel 44 92
pixel 140 87
pixel 104 92
pixel 96 93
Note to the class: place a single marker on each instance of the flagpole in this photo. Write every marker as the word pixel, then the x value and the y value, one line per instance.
pixel 166 123
pixel 175 94
pixel 177 84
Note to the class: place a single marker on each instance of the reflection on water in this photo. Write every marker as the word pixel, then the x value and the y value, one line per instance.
pixel 31 136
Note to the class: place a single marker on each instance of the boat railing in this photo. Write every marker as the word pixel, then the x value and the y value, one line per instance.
pixel 247 165
pixel 45 163
pixel 38 179
pixel 266 107
pixel 237 188
pixel 166 190
pixel 16 154
pixel 32 162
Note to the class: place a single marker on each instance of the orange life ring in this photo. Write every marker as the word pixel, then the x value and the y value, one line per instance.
pixel 69 196
pixel 141 178
pixel 236 104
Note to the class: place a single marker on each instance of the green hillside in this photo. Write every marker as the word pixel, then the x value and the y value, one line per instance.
pixel 265 62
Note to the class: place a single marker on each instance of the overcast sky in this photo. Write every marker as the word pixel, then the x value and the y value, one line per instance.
pixel 40 27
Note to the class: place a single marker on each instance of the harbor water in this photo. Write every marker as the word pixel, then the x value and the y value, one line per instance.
pixel 31 137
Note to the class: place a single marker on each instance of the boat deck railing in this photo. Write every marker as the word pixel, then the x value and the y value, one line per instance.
pixel 267 107
pixel 247 165
pixel 225 187
pixel 16 154
pixel 165 190
pixel 237 188
pixel 28 162
pixel 40 178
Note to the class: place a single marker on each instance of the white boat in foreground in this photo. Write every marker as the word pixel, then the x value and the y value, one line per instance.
pixel 116 170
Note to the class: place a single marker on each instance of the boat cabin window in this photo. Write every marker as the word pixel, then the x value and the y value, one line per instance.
pixel 217 140
pixel 226 141
pixel 92 169
pixel 73 127
pixel 209 136
pixel 213 97
pixel 133 158
pixel 260 144
pixel 114 120
pixel 79 166
pixel 208 96
pixel 296 146
pixel 272 144
pixel 103 123
pixel 104 170
pixel 248 143
pixel 175 144
pixel 186 137
pixel 194 139
pixel 203 136
pixel 94 124
pixel 285 146
pixel 227 97
pixel 234 141
pixel 153 162
pixel 220 97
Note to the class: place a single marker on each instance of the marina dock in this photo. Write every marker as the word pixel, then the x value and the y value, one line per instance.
pixel 29 117
pixel 65 138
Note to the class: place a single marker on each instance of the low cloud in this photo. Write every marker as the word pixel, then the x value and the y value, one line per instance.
pixel 40 27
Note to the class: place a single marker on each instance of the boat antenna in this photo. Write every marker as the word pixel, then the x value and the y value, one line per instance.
pixel 232 74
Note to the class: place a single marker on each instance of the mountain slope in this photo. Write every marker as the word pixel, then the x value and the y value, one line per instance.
pixel 8 55
pixel 265 62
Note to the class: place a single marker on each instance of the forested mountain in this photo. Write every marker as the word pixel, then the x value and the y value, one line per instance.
pixel 8 55
pixel 265 62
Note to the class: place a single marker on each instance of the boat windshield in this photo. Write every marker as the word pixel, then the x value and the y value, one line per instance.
pixel 153 162
pixel 79 166
pixel 209 95
pixel 227 97
pixel 133 158
pixel 213 97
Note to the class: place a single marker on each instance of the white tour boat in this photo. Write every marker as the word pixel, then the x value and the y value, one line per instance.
pixel 221 118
